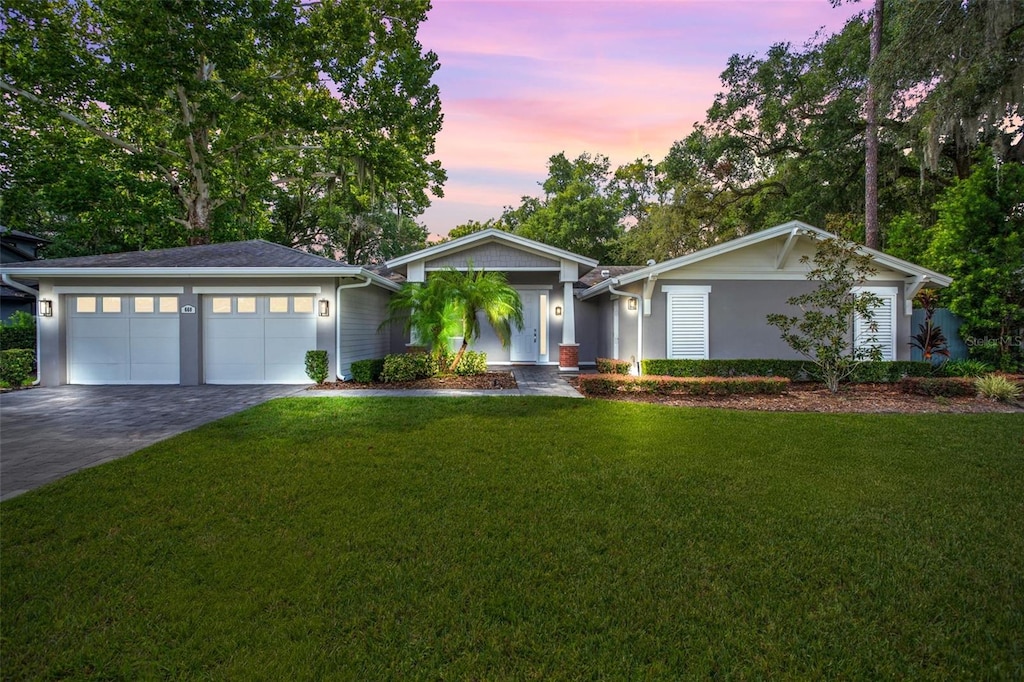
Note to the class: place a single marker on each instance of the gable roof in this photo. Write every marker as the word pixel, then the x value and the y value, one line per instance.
pixel 793 228
pixel 250 258
pixel 490 235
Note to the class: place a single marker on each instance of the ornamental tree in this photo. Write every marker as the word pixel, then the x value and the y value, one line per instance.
pixel 822 333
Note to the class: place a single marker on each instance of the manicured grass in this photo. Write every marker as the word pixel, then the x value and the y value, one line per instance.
pixel 515 538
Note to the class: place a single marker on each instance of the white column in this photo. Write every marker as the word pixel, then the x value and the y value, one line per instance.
pixel 568 315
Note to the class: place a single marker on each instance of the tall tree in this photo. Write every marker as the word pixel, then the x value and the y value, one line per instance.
pixel 871 232
pixel 216 103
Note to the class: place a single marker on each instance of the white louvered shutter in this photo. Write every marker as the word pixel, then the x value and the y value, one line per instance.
pixel 688 324
pixel 884 320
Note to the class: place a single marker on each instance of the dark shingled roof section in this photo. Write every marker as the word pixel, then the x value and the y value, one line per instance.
pixel 256 253
pixel 594 276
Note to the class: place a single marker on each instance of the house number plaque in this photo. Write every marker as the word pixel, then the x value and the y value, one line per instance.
pixel 188 309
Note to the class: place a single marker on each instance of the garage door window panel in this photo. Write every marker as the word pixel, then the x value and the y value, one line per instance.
pixel 85 304
pixel 246 305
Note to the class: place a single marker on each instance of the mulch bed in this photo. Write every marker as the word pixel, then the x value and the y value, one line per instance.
pixel 801 397
pixel 811 397
pixel 490 381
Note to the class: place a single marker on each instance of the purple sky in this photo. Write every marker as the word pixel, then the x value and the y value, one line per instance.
pixel 522 80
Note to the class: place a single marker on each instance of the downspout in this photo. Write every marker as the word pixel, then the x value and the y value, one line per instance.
pixel 639 323
pixel 337 321
pixel 35 294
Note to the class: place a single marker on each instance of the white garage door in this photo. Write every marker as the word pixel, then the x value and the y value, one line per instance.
pixel 117 339
pixel 257 339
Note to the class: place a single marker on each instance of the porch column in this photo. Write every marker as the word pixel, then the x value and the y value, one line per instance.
pixel 568 350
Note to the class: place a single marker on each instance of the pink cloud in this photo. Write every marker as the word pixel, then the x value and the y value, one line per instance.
pixel 521 81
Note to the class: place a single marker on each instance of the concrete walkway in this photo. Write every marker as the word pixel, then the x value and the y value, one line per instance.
pixel 531 380
pixel 48 433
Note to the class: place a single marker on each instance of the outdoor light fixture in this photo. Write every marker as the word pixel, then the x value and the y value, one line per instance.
pixel 325 307
pixel 45 307
pixel 630 304
pixel 558 311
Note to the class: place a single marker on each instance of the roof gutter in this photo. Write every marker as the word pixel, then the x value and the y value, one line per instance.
pixel 35 294
pixel 639 323
pixel 337 320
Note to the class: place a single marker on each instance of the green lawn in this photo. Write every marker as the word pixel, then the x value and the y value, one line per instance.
pixel 512 538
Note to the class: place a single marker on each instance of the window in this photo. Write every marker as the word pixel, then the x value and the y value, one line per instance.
pixel 278 304
pixel 144 304
pixel 881 331
pixel 303 304
pixel 687 321
pixel 220 305
pixel 246 304
pixel 85 304
pixel 168 304
pixel 111 304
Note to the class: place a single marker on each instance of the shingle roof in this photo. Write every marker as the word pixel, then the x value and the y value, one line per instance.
pixel 595 276
pixel 255 253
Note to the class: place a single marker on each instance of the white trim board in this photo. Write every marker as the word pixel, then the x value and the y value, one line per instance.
pixel 268 289
pixel 117 290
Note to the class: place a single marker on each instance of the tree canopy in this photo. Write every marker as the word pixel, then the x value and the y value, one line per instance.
pixel 205 121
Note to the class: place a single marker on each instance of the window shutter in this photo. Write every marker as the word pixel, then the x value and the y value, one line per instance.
pixel 884 319
pixel 688 325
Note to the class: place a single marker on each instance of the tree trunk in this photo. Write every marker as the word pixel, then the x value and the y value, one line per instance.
pixel 871 233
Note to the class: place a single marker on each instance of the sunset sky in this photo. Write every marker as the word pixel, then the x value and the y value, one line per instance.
pixel 522 80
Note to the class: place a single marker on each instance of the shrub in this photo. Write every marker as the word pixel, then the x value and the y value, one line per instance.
pixel 408 367
pixel 610 366
pixel 966 368
pixel 998 387
pixel 16 366
pixel 367 371
pixel 607 384
pixel 473 362
pixel 795 370
pixel 317 365
pixel 946 387
pixel 18 331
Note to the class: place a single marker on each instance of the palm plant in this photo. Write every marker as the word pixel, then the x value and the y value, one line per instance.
pixel 480 294
pixel 428 312
pixel 451 304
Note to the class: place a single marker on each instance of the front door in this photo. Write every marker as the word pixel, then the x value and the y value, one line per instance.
pixel 525 341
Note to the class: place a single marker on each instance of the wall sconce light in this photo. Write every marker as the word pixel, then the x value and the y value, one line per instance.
pixel 630 304
pixel 558 311
pixel 45 307
pixel 325 307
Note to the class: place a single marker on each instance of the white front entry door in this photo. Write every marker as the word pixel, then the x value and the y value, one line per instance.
pixel 258 339
pixel 525 341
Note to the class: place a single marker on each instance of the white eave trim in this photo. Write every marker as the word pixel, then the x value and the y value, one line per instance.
pixel 794 227
pixel 117 290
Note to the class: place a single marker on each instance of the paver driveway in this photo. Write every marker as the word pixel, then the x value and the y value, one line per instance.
pixel 48 433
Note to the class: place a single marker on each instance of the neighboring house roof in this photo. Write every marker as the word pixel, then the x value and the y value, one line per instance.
pixel 239 259
pixel 490 235
pixel 19 246
pixel 787 232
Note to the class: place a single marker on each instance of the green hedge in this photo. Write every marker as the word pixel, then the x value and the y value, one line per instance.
pixel 795 370
pixel 317 365
pixel 607 384
pixel 408 367
pixel 610 366
pixel 16 366
pixel 472 362
pixel 367 371
pixel 948 387
pixel 17 337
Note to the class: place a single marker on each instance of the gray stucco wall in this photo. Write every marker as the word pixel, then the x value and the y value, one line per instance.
pixel 737 324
